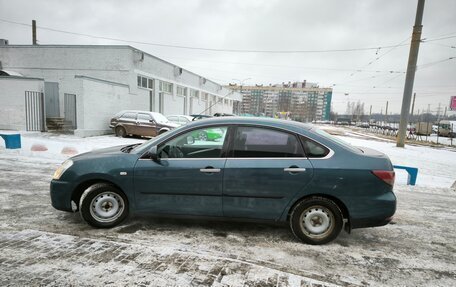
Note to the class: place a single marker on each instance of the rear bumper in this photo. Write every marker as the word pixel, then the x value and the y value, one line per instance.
pixel 378 211
pixel 61 195
pixel 370 222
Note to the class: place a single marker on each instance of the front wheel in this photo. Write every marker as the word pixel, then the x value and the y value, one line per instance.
pixel 121 132
pixel 103 205
pixel 316 220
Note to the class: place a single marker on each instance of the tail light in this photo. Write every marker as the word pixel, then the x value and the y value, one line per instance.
pixel 387 176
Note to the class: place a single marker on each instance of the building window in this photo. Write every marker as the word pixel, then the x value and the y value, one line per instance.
pixel 204 97
pixel 166 87
pixel 181 91
pixel 194 93
pixel 146 83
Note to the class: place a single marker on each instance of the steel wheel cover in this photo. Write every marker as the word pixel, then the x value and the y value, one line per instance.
pixel 317 222
pixel 107 206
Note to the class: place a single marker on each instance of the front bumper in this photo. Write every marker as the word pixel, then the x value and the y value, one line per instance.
pixel 61 195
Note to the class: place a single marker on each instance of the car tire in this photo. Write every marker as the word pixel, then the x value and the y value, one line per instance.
pixel 162 132
pixel 316 220
pixel 103 205
pixel 121 132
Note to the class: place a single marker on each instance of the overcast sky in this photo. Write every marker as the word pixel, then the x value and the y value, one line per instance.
pixel 268 25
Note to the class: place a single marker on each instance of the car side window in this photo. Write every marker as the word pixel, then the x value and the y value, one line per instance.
pixel 129 116
pixel 314 149
pixel 200 143
pixel 144 117
pixel 264 142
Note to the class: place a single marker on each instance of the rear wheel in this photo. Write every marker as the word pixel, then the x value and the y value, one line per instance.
pixel 316 220
pixel 121 132
pixel 103 205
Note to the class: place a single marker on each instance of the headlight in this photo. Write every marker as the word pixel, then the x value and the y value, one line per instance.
pixel 62 168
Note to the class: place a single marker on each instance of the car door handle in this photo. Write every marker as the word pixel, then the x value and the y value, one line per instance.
pixel 294 169
pixel 210 170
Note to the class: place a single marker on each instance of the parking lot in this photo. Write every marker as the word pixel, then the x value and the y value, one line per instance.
pixel 43 246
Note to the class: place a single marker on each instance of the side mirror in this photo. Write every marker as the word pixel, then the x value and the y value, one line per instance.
pixel 153 153
pixel 151 121
pixel 190 140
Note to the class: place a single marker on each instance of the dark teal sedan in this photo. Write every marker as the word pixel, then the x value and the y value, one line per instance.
pixel 259 169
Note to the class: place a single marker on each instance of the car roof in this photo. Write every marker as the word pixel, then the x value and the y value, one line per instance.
pixel 270 122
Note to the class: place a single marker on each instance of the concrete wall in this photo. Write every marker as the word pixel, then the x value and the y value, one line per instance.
pixel 115 70
pixel 98 101
pixel 12 100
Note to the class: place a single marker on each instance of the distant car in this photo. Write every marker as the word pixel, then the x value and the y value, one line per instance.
pixel 140 123
pixel 180 119
pixel 260 169
pixel 212 134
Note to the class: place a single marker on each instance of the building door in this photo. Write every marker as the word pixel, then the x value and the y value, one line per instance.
pixel 152 101
pixel 161 103
pixel 70 109
pixel 185 105
pixel 51 95
pixel 34 111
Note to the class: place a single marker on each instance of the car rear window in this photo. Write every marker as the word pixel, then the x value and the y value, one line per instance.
pixel 314 149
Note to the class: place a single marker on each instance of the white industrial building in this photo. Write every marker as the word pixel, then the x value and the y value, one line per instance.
pixel 87 85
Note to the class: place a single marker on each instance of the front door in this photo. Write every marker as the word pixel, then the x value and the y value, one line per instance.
pixel 265 170
pixel 187 179
pixel 145 125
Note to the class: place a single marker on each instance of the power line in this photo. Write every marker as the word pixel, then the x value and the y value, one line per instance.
pixel 427 65
pixel 203 48
pixel 288 66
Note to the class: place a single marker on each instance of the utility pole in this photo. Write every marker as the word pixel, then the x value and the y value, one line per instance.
pixel 410 75
pixel 370 113
pixel 438 112
pixel 33 32
pixel 413 105
pixel 386 112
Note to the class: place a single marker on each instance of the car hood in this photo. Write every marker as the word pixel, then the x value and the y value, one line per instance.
pixel 99 152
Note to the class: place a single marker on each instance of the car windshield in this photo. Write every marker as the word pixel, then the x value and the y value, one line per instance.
pixel 159 118
pixel 147 144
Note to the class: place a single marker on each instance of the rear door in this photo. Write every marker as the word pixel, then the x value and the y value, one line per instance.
pixel 265 169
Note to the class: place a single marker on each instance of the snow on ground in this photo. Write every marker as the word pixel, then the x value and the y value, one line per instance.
pixel 42 246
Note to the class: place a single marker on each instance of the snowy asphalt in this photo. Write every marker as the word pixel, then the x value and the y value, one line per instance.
pixel 42 246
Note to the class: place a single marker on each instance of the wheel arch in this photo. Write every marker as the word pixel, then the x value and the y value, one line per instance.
pixel 163 130
pixel 81 187
pixel 340 204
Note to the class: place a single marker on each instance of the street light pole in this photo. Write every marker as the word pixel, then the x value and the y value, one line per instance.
pixel 410 76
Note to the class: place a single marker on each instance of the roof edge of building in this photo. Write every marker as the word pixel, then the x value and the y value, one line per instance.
pixel 20 78
pixel 107 46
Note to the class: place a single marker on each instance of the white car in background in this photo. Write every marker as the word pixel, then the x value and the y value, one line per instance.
pixel 180 119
